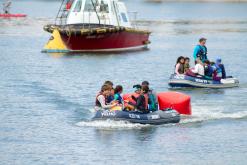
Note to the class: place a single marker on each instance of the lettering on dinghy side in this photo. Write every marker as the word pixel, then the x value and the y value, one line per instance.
pixel 108 113
pixel 134 116
pixel 154 117
pixel 202 81
pixel 180 77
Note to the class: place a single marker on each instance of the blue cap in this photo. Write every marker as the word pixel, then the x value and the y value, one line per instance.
pixel 218 60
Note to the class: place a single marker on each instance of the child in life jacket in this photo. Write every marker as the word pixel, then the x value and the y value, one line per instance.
pixel 186 64
pixel 130 103
pixel 110 97
pixel 179 67
pixel 100 102
pixel 208 69
pixel 142 100
pixel 117 94
pixel 220 72
pixel 152 98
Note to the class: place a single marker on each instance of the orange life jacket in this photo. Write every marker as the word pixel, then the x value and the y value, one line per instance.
pixel 131 100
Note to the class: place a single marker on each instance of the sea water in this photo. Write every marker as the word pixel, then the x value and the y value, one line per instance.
pixel 46 100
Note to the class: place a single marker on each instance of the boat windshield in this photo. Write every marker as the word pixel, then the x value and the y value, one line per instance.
pixel 78 6
pixel 98 5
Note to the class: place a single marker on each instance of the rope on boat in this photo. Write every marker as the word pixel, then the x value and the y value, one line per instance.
pixel 100 30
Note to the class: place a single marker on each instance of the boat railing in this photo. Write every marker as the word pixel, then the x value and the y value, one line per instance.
pixel 63 12
pixel 104 18
pixel 133 18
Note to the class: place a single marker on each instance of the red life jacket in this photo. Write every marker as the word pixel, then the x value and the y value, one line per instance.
pixel 131 100
pixel 68 5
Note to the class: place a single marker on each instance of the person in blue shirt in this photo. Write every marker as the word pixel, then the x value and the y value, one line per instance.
pixel 209 70
pixel 117 94
pixel 200 51
pixel 220 69
pixel 110 97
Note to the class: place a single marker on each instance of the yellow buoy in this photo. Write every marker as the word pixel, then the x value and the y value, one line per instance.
pixel 55 43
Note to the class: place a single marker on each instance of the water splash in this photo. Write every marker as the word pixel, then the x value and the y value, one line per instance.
pixel 204 114
pixel 110 124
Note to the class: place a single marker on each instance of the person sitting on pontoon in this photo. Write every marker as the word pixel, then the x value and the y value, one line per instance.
pixel 219 70
pixel 179 67
pixel 198 70
pixel 130 103
pixel 142 100
pixel 100 101
pixel 208 69
pixel 152 97
pixel 110 97
pixel 6 6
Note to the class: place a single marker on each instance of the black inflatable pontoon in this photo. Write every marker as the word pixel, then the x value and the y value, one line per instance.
pixel 154 118
pixel 183 81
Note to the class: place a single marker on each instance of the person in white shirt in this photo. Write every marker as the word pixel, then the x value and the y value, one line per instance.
pixel 101 103
pixel 179 67
pixel 198 69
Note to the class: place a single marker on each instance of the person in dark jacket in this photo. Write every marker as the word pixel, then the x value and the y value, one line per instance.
pixel 110 98
pixel 220 69
pixel 152 98
pixel 142 100
pixel 209 70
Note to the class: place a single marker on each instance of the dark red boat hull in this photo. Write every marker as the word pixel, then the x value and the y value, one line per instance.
pixel 117 41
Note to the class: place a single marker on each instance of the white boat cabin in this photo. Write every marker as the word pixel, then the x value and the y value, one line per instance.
pixel 106 12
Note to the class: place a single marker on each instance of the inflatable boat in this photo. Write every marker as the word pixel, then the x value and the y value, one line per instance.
pixel 153 118
pixel 12 15
pixel 201 82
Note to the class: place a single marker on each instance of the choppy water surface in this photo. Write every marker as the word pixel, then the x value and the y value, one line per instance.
pixel 47 99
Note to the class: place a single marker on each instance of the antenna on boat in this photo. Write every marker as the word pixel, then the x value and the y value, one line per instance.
pixel 94 7
pixel 116 13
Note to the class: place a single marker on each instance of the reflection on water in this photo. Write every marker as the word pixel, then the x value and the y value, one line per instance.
pixel 195 26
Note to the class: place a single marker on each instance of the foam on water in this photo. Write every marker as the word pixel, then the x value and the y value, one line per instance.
pixel 110 124
pixel 201 114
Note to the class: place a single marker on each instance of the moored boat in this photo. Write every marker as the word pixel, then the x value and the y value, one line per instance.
pixel 94 26
pixel 12 15
pixel 201 82
pixel 6 11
